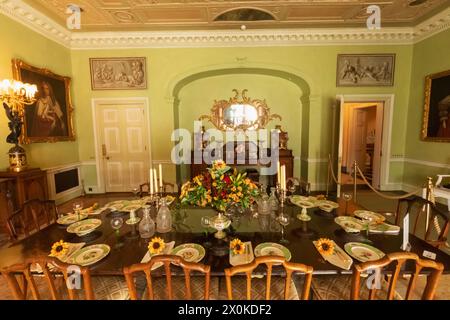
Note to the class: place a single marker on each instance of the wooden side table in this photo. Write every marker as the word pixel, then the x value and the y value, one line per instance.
pixel 26 185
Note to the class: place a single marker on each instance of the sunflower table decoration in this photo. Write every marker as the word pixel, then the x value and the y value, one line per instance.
pixel 156 245
pixel 325 246
pixel 59 249
pixel 237 246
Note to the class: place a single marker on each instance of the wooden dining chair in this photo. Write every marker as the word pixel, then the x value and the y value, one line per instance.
pixel 46 284
pixel 438 223
pixel 399 259
pixel 144 189
pixel 288 290
pixel 33 216
pixel 175 285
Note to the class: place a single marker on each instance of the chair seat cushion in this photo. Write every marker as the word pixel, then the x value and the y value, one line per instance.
pixel 258 291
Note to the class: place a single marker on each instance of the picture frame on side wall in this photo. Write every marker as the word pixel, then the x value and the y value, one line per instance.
pixel 50 118
pixel 365 70
pixel 436 115
pixel 118 73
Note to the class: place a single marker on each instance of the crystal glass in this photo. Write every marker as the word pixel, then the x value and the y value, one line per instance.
pixel 347 197
pixel 274 203
pixel 77 207
pixel 205 222
pixel 147 225
pixel 116 224
pixel 135 192
pixel 284 220
pixel 163 218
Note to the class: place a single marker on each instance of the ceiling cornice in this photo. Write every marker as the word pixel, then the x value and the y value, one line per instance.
pixel 30 17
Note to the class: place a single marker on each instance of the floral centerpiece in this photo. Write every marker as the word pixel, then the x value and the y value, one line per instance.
pixel 219 187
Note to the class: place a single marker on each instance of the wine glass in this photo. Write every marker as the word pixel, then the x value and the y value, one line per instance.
pixel 136 192
pixel 116 224
pixel 347 197
pixel 77 207
pixel 284 220
pixel 205 221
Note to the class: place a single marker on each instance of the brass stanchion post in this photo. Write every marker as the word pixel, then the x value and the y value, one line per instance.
pixel 429 197
pixel 355 168
pixel 328 174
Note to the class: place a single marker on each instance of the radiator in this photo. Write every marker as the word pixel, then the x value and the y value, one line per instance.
pixel 64 183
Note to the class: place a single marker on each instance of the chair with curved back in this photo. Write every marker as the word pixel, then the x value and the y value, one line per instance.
pixel 283 289
pixel 32 217
pixel 438 223
pixel 193 288
pixel 41 279
pixel 399 259
pixel 144 189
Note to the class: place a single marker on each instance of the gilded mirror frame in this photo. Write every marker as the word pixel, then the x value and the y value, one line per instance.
pixel 218 110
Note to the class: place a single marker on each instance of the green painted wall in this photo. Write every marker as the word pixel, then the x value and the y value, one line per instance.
pixel 430 56
pixel 22 43
pixel 172 73
pixel 298 82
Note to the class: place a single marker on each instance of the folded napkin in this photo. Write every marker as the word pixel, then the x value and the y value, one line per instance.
pixel 167 250
pixel 73 247
pixel 244 258
pixel 339 257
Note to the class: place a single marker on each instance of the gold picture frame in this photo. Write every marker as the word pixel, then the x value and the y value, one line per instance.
pixel 436 114
pixel 50 118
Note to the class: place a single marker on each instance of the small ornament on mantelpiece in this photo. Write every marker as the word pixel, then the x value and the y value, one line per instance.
pixel 284 138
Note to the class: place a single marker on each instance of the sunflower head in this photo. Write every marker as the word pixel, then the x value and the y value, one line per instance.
pixel 59 248
pixel 156 245
pixel 325 246
pixel 237 246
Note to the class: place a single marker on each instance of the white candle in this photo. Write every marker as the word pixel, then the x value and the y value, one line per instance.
pixel 155 180
pixel 278 173
pixel 160 176
pixel 283 177
pixel 151 181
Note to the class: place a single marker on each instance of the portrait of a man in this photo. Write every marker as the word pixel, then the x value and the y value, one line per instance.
pixel 436 122
pixel 49 119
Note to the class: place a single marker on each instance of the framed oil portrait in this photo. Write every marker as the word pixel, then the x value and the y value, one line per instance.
pixel 50 118
pixel 365 70
pixel 436 115
pixel 118 73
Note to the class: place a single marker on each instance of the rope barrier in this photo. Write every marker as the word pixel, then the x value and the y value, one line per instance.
pixel 385 196
pixel 333 175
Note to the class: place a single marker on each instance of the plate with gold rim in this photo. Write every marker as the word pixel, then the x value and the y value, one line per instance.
pixel 272 249
pixel 369 215
pixel 363 252
pixel 191 252
pixel 90 254
pixel 84 227
pixel 71 218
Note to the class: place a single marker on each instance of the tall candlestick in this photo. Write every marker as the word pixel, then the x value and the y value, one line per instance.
pixel 155 180
pixel 151 181
pixel 160 176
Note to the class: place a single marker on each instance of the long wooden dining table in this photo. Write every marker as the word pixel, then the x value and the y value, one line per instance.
pixel 127 247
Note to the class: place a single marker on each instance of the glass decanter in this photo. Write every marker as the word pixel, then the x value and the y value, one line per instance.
pixel 263 202
pixel 274 203
pixel 163 218
pixel 147 225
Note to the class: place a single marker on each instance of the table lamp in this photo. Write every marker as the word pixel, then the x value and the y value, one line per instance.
pixel 15 95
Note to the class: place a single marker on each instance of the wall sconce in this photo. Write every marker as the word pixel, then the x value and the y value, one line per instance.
pixel 15 95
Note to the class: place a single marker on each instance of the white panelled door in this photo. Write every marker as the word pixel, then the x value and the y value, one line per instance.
pixel 123 139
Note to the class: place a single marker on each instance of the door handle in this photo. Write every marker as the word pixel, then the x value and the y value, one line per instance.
pixel 104 153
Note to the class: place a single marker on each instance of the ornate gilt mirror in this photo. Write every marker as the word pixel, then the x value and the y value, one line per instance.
pixel 240 113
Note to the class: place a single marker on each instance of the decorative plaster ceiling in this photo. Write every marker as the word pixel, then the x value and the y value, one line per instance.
pixel 158 15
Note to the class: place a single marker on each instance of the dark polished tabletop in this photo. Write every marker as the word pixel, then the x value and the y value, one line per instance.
pixel 128 248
